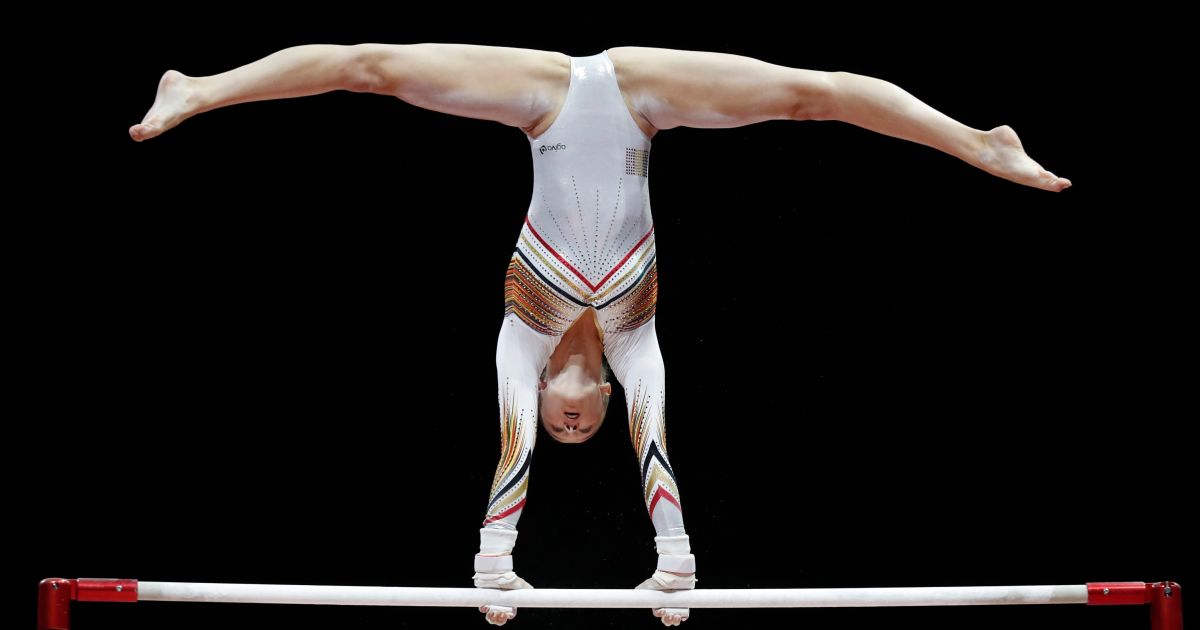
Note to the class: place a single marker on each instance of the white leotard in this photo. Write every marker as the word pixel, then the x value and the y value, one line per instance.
pixel 587 242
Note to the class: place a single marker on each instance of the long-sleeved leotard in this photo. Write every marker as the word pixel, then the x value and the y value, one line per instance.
pixel 587 242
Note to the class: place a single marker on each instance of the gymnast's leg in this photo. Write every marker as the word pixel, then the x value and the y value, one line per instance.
pixel 674 88
pixel 518 87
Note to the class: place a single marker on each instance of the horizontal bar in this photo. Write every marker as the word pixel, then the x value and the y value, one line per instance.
pixel 612 598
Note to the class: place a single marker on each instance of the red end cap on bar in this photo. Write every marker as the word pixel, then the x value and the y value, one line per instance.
pixel 105 590
pixel 1166 606
pixel 54 603
pixel 1118 593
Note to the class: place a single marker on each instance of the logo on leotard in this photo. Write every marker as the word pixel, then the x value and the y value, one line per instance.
pixel 551 147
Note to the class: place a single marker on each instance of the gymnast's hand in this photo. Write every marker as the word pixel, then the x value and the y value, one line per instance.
pixel 506 580
pixel 670 581
pixel 494 569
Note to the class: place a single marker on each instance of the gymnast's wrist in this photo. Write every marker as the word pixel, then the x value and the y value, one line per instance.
pixel 675 555
pixel 495 550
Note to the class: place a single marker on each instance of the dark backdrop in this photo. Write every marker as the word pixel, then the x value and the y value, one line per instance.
pixel 260 348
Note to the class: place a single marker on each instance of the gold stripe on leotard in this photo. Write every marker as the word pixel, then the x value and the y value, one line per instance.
pixel 515 447
pixel 547 265
pixel 539 306
pixel 638 306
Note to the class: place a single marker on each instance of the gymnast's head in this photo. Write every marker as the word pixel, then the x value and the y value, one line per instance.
pixel 573 402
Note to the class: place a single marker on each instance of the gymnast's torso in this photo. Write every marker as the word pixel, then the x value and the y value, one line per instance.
pixel 588 236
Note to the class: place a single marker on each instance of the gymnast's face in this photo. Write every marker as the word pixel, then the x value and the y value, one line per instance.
pixel 573 405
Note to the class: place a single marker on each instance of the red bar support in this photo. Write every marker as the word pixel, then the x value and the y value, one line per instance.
pixel 1118 593
pixel 105 590
pixel 1165 599
pixel 1166 606
pixel 54 604
pixel 55 595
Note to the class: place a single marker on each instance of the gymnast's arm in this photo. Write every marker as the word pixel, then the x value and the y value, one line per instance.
pixel 515 86
pixel 638 364
pixel 681 88
pixel 520 354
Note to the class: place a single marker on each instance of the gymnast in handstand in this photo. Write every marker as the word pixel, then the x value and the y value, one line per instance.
pixel 582 282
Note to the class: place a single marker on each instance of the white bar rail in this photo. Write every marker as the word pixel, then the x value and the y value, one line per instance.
pixel 614 598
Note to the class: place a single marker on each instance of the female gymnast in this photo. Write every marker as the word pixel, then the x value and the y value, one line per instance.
pixel 582 282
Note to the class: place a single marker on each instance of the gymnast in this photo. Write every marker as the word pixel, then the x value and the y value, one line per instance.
pixel 582 283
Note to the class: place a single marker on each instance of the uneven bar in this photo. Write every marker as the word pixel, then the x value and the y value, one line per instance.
pixel 612 598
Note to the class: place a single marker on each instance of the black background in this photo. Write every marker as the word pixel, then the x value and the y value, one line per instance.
pixel 260 348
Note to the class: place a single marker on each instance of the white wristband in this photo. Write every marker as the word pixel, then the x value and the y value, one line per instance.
pixel 494 541
pixel 677 563
pixel 493 564
pixel 673 545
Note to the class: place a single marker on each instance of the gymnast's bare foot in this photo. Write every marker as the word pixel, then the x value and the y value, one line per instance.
pixel 174 103
pixel 1003 156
